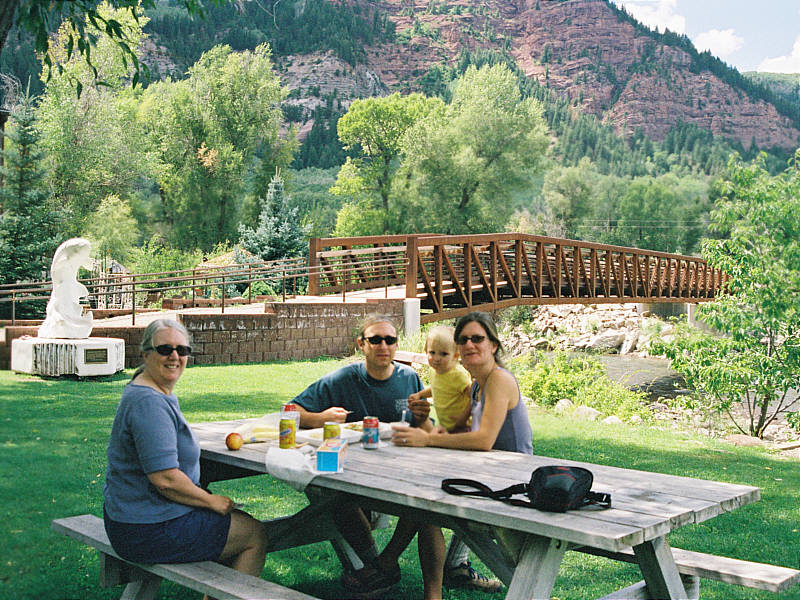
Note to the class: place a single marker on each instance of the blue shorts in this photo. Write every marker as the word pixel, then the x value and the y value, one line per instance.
pixel 198 535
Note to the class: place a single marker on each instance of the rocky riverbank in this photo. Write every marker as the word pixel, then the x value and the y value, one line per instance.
pixel 610 328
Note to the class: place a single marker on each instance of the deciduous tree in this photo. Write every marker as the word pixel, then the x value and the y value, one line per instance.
pixel 94 148
pixel 756 360
pixel 83 19
pixel 376 126
pixel 207 131
pixel 465 163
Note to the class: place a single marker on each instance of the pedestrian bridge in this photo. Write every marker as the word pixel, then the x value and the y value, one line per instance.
pixel 454 274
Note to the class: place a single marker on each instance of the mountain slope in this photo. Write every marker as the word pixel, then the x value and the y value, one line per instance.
pixel 589 52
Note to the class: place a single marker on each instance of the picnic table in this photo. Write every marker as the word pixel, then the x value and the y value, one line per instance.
pixel 522 546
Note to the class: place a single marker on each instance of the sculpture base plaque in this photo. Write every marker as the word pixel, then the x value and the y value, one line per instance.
pixel 86 357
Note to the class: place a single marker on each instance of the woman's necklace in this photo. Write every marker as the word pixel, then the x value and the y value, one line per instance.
pixel 482 380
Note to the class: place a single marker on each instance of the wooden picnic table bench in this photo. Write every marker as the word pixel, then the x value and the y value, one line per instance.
pixel 207 577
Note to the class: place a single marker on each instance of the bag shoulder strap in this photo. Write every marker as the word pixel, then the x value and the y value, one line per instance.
pixel 470 487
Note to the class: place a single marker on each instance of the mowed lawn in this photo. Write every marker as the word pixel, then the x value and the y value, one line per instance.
pixel 53 436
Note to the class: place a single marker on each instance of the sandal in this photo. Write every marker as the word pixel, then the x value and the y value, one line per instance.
pixel 370 582
pixel 465 576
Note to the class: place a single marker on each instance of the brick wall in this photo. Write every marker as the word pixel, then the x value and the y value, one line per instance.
pixel 290 331
pixel 286 331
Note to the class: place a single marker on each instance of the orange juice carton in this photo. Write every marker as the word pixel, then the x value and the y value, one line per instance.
pixel 330 455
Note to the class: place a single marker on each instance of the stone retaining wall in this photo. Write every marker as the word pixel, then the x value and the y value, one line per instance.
pixel 286 331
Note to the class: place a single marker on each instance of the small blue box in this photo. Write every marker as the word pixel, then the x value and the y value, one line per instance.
pixel 330 455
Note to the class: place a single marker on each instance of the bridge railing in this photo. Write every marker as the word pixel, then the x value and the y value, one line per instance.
pixel 456 273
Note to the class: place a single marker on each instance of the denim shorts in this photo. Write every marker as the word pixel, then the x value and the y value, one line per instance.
pixel 198 535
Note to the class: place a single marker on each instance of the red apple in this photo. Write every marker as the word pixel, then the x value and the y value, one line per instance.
pixel 234 441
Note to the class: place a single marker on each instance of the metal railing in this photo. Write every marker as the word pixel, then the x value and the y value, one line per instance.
pixel 210 285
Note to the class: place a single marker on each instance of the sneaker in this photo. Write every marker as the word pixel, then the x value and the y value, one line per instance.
pixel 370 582
pixel 465 576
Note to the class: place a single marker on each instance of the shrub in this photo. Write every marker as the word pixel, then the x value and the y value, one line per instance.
pixel 582 380
pixel 793 419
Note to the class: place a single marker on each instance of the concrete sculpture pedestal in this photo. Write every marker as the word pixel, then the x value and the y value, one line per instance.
pixel 53 357
pixel 63 346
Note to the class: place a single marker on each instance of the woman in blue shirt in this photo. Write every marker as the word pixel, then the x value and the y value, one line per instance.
pixel 154 509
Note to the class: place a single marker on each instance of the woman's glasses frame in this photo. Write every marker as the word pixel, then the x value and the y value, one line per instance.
pixel 166 350
pixel 475 339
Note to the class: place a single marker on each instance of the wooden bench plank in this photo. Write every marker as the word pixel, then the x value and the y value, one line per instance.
pixel 206 577
pixel 721 568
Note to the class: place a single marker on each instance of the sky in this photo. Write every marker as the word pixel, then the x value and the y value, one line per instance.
pixel 751 35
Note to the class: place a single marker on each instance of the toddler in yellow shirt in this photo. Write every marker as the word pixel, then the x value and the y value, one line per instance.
pixel 450 382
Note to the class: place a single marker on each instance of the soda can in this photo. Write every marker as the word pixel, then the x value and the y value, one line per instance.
pixel 331 430
pixel 291 411
pixel 287 428
pixel 370 438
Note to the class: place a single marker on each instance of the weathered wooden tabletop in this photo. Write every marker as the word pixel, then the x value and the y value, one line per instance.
pixel 521 545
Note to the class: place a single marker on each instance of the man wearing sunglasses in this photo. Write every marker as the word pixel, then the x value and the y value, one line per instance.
pixel 377 387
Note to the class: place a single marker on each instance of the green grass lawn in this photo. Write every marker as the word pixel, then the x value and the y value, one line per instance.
pixel 53 436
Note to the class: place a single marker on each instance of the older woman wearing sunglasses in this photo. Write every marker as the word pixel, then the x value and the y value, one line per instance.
pixel 154 509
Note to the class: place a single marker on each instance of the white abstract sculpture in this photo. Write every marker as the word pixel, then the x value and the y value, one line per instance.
pixel 65 318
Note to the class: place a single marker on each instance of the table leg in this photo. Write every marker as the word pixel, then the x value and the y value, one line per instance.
pixel 659 569
pixel 484 546
pixel 537 568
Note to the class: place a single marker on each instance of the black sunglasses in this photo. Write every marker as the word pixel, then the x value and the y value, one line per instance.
pixel 475 339
pixel 166 350
pixel 375 340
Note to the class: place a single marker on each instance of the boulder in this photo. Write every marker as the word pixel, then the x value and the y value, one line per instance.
pixel 587 413
pixel 629 344
pixel 612 420
pixel 563 406
pixel 607 340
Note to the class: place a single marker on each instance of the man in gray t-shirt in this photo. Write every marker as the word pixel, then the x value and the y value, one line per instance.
pixel 372 388
pixel 376 387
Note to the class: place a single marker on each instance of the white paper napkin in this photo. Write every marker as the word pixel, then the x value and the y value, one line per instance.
pixel 295 466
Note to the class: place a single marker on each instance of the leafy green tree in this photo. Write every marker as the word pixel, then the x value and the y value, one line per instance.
pixel 569 193
pixel 464 163
pixel 279 233
pixel 756 360
pixel 112 230
pixel 316 206
pixel 94 148
pixel 207 132
pixel 28 221
pixel 376 126
pixel 83 19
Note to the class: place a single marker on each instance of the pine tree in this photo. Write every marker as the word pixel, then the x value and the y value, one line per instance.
pixel 28 222
pixel 279 233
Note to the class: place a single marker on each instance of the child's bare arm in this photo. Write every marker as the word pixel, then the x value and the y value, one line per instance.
pixel 426 393
pixel 463 418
